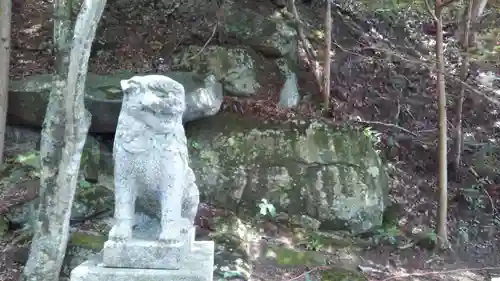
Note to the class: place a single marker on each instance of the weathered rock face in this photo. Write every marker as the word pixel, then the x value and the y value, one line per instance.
pixel 19 140
pixel 241 70
pixel 234 67
pixel 28 98
pixel 273 36
pixel 332 174
pixel 244 69
pixel 324 172
pixel 22 184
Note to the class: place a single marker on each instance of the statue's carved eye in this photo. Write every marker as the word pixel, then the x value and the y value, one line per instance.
pixel 131 87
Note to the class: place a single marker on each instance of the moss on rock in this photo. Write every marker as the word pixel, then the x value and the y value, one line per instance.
pixel 329 173
pixel 294 257
pixel 88 241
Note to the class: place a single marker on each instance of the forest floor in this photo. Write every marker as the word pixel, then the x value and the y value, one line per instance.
pixel 132 44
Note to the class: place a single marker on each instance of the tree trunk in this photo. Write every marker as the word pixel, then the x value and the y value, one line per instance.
pixel 478 7
pixel 464 69
pixel 328 47
pixel 442 229
pixel 5 18
pixel 63 136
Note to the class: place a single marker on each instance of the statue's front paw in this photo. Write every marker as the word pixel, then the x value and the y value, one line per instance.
pixel 121 231
pixel 174 232
pixel 169 237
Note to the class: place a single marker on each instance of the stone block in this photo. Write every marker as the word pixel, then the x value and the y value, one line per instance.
pixel 149 254
pixel 197 266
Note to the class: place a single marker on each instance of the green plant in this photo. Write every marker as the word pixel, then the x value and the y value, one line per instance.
pixel 195 145
pixel 31 159
pixel 427 239
pixel 373 135
pixel 266 208
pixel 84 184
pixel 230 274
pixel 388 234
pixel 472 194
pixel 314 244
pixel 430 235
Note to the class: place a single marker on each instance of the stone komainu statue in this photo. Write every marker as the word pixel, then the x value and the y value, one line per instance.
pixel 151 158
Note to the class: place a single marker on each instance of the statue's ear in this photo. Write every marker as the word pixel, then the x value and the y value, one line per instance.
pixel 125 84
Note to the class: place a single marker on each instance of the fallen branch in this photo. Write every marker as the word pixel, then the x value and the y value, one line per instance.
pixel 219 13
pixel 492 202
pixel 208 41
pixel 387 125
pixel 403 275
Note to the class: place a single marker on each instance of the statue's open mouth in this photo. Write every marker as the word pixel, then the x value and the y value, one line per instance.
pixel 149 110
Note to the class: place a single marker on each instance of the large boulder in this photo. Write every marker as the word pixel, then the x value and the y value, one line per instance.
pixel 235 68
pixel 28 98
pixel 241 70
pixel 272 35
pixel 329 173
pixel 332 174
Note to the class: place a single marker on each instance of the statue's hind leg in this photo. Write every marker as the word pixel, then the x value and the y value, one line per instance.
pixel 173 225
pixel 190 198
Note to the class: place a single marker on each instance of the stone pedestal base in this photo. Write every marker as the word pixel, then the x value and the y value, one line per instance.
pixel 149 254
pixel 197 266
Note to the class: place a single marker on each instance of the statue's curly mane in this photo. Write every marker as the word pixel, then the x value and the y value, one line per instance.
pixel 170 92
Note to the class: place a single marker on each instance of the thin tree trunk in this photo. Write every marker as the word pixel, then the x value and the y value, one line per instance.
pixel 478 7
pixel 5 18
pixel 63 135
pixel 442 229
pixel 464 68
pixel 62 37
pixel 328 47
pixel 309 51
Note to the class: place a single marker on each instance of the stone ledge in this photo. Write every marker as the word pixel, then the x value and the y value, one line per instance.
pixel 151 254
pixel 198 266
